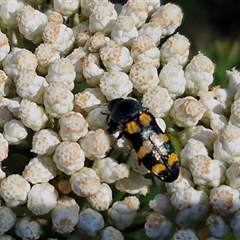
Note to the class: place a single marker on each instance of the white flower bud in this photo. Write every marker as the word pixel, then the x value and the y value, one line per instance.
pixel 226 146
pixel 85 182
pixel 59 35
pixel 14 190
pixel 96 144
pixel 67 8
pixel 137 10
pixel 114 84
pixel 143 49
pixel 115 57
pixel 191 150
pixel 102 17
pixel 87 6
pixel 26 228
pixel 111 233
pixel 224 200
pixel 187 111
pixel 134 184
pixel 5 115
pixel 233 175
pixel 235 224
pixel 44 142
pixel 40 169
pixel 31 86
pixel 233 76
pixel 143 75
pixel 31 23
pixel 81 32
pixel 199 74
pixel 109 170
pixel 42 198
pixel 65 215
pixel 5 83
pixel 158 101
pixel 217 226
pixel 4 46
pixel 102 199
pixel 235 113
pixel 157 226
pixel 69 157
pixel 88 99
pixel 72 126
pixel 161 204
pixel 3 147
pixel 92 70
pixel 172 78
pixel 175 49
pixel 32 115
pixel 153 29
pixel 124 31
pixel 7 219
pixel 206 171
pixel 19 60
pixel 170 16
pixel 61 71
pixel 75 57
pixel 122 213
pixel 95 121
pixel 45 54
pixel 8 12
pixel 58 99
pixel 183 234
pixel 90 222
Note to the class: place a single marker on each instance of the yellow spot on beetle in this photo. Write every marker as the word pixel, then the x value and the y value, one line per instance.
pixel 132 127
pixel 172 159
pixel 164 137
pixel 144 150
pixel 145 119
pixel 158 168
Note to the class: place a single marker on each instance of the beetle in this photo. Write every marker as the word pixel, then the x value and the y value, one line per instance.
pixel 153 147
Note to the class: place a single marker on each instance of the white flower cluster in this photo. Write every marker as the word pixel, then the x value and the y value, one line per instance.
pixel 54 100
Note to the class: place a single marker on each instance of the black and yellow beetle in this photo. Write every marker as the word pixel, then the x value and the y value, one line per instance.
pixel 153 147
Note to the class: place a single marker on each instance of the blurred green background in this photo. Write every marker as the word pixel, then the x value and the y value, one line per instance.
pixel 213 28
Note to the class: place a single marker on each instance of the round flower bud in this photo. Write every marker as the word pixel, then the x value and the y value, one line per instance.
pixel 90 222
pixel 58 99
pixel 185 234
pixel 158 101
pixel 32 115
pixel 143 76
pixel 96 144
pixel 199 74
pixel 69 157
pixel 122 213
pixel 65 215
pixel 4 46
pixel 59 35
pixel 102 199
pixel 40 169
pixel 175 49
pixel 7 219
pixel 81 32
pixel 233 76
pixel 224 200
pixel 143 49
pixel 26 228
pixel 3 148
pixel 72 126
pixel 187 111
pixel 170 15
pixel 109 170
pixel 66 8
pixel 85 182
pixel 96 41
pixel 137 10
pixel 111 233
pixel 233 175
pixel 161 204
pixel 115 84
pixel 42 198
pixel 102 17
pixel 14 190
pixel 44 142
